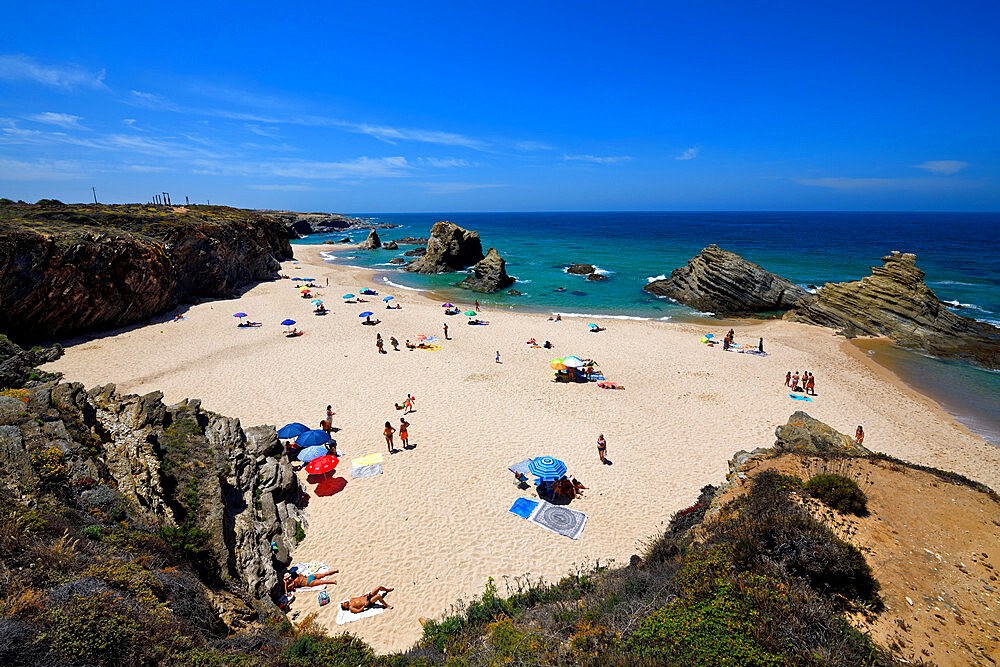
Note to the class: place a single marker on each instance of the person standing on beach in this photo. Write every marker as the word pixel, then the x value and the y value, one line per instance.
pixel 498 356
pixel 389 430
pixel 477 305
pixel 329 414
pixel 602 448
pixel 859 436
pixel 446 331
pixel 394 343
pixel 795 381
pixel 404 436
pixel 378 343
pixel 811 385
pixel 788 379
pixel 760 346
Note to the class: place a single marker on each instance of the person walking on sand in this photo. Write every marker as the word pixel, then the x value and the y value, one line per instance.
pixel 394 343
pixel 477 305
pixel 602 448
pixel 408 404
pixel 788 379
pixel 498 356
pixel 378 343
pixel 404 436
pixel 389 430
pixel 859 436
pixel 446 331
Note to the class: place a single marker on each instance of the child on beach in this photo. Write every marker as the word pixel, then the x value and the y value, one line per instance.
pixel 389 430
pixel 498 356
pixel 404 436
pixel 408 404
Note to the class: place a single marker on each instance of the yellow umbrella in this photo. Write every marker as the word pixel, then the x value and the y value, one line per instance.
pixel 557 364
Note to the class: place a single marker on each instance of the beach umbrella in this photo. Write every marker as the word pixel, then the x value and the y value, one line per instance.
pixel 470 313
pixel 572 362
pixel 316 302
pixel 287 323
pixel 348 296
pixel 289 431
pixel 593 326
pixel 547 468
pixel 447 305
pixel 388 298
pixel 322 465
pixel 296 278
pixel 557 364
pixel 421 337
pixel 709 335
pixel 367 313
pixel 239 315
pixel 310 453
pixel 314 437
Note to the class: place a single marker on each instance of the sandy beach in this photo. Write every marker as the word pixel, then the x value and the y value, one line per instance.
pixel 435 525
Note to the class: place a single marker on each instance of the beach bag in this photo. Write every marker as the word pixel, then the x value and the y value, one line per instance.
pixel 323 598
pixel 285 601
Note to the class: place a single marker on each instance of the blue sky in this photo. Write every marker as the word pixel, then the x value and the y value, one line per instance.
pixel 529 107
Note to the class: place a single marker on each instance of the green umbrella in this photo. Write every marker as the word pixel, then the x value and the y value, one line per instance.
pixel 470 313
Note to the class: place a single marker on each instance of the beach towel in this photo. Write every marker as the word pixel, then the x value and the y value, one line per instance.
pixel 371 459
pixel 357 472
pixel 800 398
pixel 307 569
pixel 345 616
pixel 306 589
pixel 559 519
pixel 523 507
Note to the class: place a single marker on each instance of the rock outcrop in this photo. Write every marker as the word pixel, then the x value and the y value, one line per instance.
pixel 449 248
pixel 373 242
pixel 416 252
pixel 489 274
pixel 303 224
pixel 397 260
pixel 895 302
pixel 411 240
pixel 724 283
pixel 597 276
pixel 580 269
pixel 65 269
pixel 391 245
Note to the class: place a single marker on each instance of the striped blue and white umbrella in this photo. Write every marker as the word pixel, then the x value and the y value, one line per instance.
pixel 310 453
pixel 547 468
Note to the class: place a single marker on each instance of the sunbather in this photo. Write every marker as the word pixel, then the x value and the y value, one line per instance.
pixel 362 602
pixel 295 580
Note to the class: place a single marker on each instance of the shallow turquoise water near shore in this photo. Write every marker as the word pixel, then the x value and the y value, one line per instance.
pixel 960 252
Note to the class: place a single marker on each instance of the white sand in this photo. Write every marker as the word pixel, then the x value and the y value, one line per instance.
pixel 435 525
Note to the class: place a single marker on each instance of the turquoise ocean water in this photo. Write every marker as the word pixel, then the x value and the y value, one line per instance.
pixel 960 252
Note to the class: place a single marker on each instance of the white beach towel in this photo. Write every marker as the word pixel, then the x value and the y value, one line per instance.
pixel 306 589
pixel 358 472
pixel 345 616
pixel 559 519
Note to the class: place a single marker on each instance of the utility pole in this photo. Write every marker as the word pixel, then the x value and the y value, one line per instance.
pixel 166 198
pixel 186 202
pixel 95 193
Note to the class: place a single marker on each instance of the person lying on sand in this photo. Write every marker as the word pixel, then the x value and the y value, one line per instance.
pixel 597 329
pixel 610 385
pixel 362 602
pixel 295 580
pixel 531 341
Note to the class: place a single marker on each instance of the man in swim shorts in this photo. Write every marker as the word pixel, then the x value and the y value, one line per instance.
pixel 362 602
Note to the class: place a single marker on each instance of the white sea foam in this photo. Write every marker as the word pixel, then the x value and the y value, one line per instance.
pixel 518 280
pixel 592 316
pixel 398 286
pixel 955 303
pixel 326 254
pixel 602 272
pixel 653 279
pixel 951 282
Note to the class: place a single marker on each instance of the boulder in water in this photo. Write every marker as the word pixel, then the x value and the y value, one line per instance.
pixel 373 242
pixel 489 274
pixel 449 248
pixel 391 245
pixel 580 269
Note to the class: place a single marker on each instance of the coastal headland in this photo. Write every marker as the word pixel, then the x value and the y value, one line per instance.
pixel 435 525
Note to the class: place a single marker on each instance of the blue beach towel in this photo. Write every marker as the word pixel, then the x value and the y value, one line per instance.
pixel 523 507
pixel 800 398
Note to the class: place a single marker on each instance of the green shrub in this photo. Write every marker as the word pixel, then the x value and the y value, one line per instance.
pixel 840 493
pixel 92 532
pixel 344 650
pixel 300 532
pixel 93 630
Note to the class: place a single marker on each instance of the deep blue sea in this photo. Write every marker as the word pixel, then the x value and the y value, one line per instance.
pixel 960 253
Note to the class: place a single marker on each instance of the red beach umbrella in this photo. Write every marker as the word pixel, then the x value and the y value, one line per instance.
pixel 322 465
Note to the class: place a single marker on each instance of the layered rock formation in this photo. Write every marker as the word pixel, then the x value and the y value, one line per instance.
pixel 71 268
pixel 580 269
pixel 411 240
pixel 489 274
pixel 373 242
pixel 449 248
pixel 391 245
pixel 895 302
pixel 724 283
pixel 416 252
pixel 178 467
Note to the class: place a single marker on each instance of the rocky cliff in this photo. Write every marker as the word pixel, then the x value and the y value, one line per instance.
pixel 722 282
pixel 489 274
pixel 373 242
pixel 895 302
pixel 71 268
pixel 449 248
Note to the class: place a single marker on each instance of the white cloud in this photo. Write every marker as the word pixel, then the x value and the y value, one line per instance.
pixel 689 154
pixel 289 187
pixel 533 146
pixel 457 188
pixel 64 120
pixel 131 123
pixel 943 167
pixel 444 162
pixel 359 168
pixel 39 170
pixel 919 184
pixel 615 159
pixel 269 132
pixel 139 98
pixel 144 168
pixel 19 67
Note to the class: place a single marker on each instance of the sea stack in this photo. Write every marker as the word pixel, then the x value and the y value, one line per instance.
pixel 489 274
pixel 895 302
pixel 722 282
pixel 449 248
pixel 373 242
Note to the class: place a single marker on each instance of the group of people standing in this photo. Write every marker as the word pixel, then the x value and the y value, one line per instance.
pixel 804 383
pixel 404 426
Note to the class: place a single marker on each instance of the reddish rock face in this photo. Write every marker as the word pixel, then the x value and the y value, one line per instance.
pixel 69 269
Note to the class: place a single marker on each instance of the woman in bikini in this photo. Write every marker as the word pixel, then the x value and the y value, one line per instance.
pixel 404 437
pixel 389 430
pixel 602 448
pixel 859 435
pixel 293 581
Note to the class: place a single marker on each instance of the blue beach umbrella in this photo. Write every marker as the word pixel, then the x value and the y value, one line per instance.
pixel 388 298
pixel 316 302
pixel 314 437
pixel 447 305
pixel 287 323
pixel 547 468
pixel 367 313
pixel 289 431
pixel 592 325
pixel 348 296
pixel 310 453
